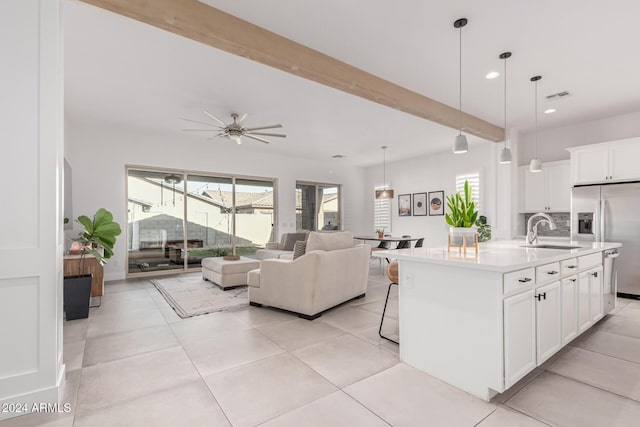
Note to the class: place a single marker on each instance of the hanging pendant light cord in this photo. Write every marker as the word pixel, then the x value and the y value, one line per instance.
pixel 460 84
pixel 536 107
pixel 384 167
pixel 505 102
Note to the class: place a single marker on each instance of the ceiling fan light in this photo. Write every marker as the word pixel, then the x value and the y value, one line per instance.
pixel 535 165
pixel 236 138
pixel 460 144
pixel 505 156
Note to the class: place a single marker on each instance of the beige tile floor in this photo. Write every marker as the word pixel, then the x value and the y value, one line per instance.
pixel 135 363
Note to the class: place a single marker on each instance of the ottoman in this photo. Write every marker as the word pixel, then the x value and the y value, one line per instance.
pixel 228 274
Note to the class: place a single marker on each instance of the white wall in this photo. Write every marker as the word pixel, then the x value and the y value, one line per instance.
pixel 98 154
pixel 31 105
pixel 552 143
pixel 437 172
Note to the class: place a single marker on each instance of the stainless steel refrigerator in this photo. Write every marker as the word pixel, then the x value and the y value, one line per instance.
pixel 611 213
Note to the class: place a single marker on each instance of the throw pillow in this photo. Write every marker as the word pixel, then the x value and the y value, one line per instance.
pixel 290 240
pixel 299 248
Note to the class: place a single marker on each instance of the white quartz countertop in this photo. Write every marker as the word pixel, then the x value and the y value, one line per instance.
pixel 499 255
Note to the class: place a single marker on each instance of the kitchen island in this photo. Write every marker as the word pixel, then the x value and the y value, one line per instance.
pixel 481 323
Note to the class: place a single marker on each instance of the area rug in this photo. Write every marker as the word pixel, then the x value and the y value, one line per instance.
pixel 190 295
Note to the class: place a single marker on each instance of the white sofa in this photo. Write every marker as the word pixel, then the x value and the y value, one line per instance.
pixel 282 249
pixel 332 271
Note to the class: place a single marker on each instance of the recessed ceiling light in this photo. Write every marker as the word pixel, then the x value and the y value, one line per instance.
pixel 550 110
pixel 493 75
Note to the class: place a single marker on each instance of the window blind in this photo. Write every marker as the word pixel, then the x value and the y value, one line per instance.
pixel 382 213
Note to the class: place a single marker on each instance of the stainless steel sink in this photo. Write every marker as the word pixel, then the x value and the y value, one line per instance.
pixel 567 248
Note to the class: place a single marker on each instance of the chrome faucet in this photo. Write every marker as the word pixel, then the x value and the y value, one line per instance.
pixel 532 231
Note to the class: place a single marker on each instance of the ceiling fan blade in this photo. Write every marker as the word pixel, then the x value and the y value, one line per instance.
pixel 200 123
pixel 257 138
pixel 242 119
pixel 279 135
pixel 264 127
pixel 198 130
pixel 214 118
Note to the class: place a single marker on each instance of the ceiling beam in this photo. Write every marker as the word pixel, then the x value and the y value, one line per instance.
pixel 213 27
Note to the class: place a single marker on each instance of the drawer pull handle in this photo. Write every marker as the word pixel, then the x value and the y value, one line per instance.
pixel 574 280
pixel 572 266
pixel 524 280
pixel 552 272
pixel 594 274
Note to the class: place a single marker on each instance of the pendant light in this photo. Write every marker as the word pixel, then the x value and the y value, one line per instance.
pixel 385 193
pixel 460 145
pixel 505 153
pixel 536 164
pixel 173 179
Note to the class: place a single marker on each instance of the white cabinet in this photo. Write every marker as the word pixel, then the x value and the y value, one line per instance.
pixel 584 317
pixel 549 190
pixel 596 294
pixel 548 323
pixel 569 309
pixel 519 336
pixel 607 162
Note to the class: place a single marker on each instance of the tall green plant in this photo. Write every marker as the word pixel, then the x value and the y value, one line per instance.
pixel 462 210
pixel 101 231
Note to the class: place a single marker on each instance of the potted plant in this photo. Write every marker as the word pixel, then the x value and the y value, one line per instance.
pixel 462 215
pixel 97 239
pixel 484 229
pixel 380 232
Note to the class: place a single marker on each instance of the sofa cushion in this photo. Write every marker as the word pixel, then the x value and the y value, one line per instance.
pixel 329 241
pixel 290 239
pixel 299 249
pixel 262 254
pixel 253 278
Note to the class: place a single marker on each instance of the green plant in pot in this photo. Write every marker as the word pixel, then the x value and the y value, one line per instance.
pixel 97 239
pixel 462 215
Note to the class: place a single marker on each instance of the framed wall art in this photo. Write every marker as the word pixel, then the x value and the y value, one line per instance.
pixel 419 204
pixel 404 205
pixel 436 203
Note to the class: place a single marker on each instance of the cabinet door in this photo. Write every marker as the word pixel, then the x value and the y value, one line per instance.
pixel 519 336
pixel 623 161
pixel 558 188
pixel 584 317
pixel 590 165
pixel 596 293
pixel 569 309
pixel 535 199
pixel 548 314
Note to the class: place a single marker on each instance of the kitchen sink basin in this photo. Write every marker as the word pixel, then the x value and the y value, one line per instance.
pixel 551 247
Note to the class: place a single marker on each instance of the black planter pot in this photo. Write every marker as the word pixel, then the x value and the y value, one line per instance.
pixel 77 295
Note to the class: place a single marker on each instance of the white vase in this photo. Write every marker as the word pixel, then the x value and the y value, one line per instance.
pixel 457 234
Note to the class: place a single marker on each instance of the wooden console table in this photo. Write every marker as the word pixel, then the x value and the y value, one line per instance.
pixel 91 266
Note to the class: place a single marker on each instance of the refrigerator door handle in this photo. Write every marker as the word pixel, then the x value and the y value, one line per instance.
pixel 597 221
pixel 603 210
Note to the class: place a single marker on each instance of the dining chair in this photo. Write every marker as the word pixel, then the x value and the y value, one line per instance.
pixel 419 243
pixel 392 274
pixel 404 244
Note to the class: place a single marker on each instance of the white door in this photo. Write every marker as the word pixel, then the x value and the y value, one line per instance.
pixel 519 337
pixel 535 199
pixel 590 165
pixel 623 161
pixel 569 309
pixel 596 293
pixel 558 188
pixel 584 317
pixel 548 315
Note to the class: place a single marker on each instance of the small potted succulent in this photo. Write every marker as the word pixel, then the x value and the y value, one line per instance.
pixel 98 240
pixel 462 216
pixel 380 232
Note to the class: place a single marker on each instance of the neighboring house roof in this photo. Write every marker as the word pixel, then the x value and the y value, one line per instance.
pixel 262 200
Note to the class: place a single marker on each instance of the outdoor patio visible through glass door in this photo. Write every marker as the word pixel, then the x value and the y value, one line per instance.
pixel 317 206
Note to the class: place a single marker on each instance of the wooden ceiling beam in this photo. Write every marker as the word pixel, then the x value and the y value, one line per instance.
pixel 213 27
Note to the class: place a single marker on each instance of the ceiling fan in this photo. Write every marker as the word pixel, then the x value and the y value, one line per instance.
pixel 235 130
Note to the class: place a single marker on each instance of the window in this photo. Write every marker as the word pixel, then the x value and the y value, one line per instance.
pixel 317 206
pixel 382 213
pixel 474 183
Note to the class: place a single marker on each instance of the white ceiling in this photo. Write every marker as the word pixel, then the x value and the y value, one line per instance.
pixel 126 73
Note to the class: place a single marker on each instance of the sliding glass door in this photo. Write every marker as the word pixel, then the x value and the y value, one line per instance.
pixel 318 206
pixel 175 219
pixel 155 205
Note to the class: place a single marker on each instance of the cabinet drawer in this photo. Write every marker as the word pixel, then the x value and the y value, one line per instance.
pixel 568 267
pixel 589 261
pixel 519 279
pixel 548 272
